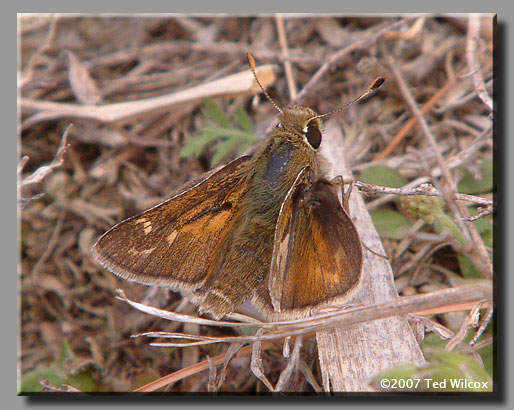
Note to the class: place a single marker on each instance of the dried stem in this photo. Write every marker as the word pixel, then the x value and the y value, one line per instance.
pixel 424 189
pixel 39 174
pixel 52 243
pixel 285 52
pixel 407 95
pixel 473 63
pixel 482 213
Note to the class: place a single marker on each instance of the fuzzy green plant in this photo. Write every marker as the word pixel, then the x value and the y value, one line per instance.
pixel 430 210
pixel 221 137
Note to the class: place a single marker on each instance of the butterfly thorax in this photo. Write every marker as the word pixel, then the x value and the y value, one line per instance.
pixel 281 158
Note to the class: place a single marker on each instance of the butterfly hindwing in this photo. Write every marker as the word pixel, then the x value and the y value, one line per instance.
pixel 317 256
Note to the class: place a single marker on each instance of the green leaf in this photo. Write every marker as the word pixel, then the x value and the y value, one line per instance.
pixel 85 382
pixel 65 352
pixel 223 150
pixel 249 330
pixel 486 353
pixel 451 364
pixel 404 371
pixel 443 371
pixel 222 139
pixel 485 229
pixel 214 113
pixel 470 185
pixel 390 224
pixel 243 119
pixel 145 377
pixel 383 176
pixel 467 268
pixel 196 145
pixel 433 340
pixel 30 380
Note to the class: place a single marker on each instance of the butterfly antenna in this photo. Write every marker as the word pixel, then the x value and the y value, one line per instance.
pixel 377 82
pixel 251 63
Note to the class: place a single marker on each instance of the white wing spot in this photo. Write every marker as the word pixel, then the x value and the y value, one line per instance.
pixel 172 236
pixel 141 252
pixel 147 225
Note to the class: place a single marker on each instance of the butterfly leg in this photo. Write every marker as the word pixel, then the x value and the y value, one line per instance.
pixel 256 363
pixel 338 180
pixel 292 364
pixel 286 374
pixel 216 379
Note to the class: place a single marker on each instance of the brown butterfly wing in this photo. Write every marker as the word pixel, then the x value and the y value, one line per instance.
pixel 174 243
pixel 317 256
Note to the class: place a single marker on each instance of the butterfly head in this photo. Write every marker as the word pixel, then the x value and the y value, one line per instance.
pixel 301 122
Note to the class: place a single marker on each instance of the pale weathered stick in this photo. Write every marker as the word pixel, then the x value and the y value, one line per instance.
pixel 240 83
pixel 350 356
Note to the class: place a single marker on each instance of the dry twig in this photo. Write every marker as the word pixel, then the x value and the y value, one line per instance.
pixel 39 174
pixel 473 64
pixel 291 84
pixel 424 189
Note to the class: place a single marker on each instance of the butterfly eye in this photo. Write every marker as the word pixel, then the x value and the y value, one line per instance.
pixel 313 135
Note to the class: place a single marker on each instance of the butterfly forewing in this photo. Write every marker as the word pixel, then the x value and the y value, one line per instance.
pixel 317 255
pixel 152 247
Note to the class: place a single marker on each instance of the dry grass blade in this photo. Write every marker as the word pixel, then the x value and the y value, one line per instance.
pixel 406 93
pixel 485 322
pixel 292 363
pixel 61 389
pixel 471 321
pixel 463 294
pixel 431 326
pixel 177 317
pixel 232 351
